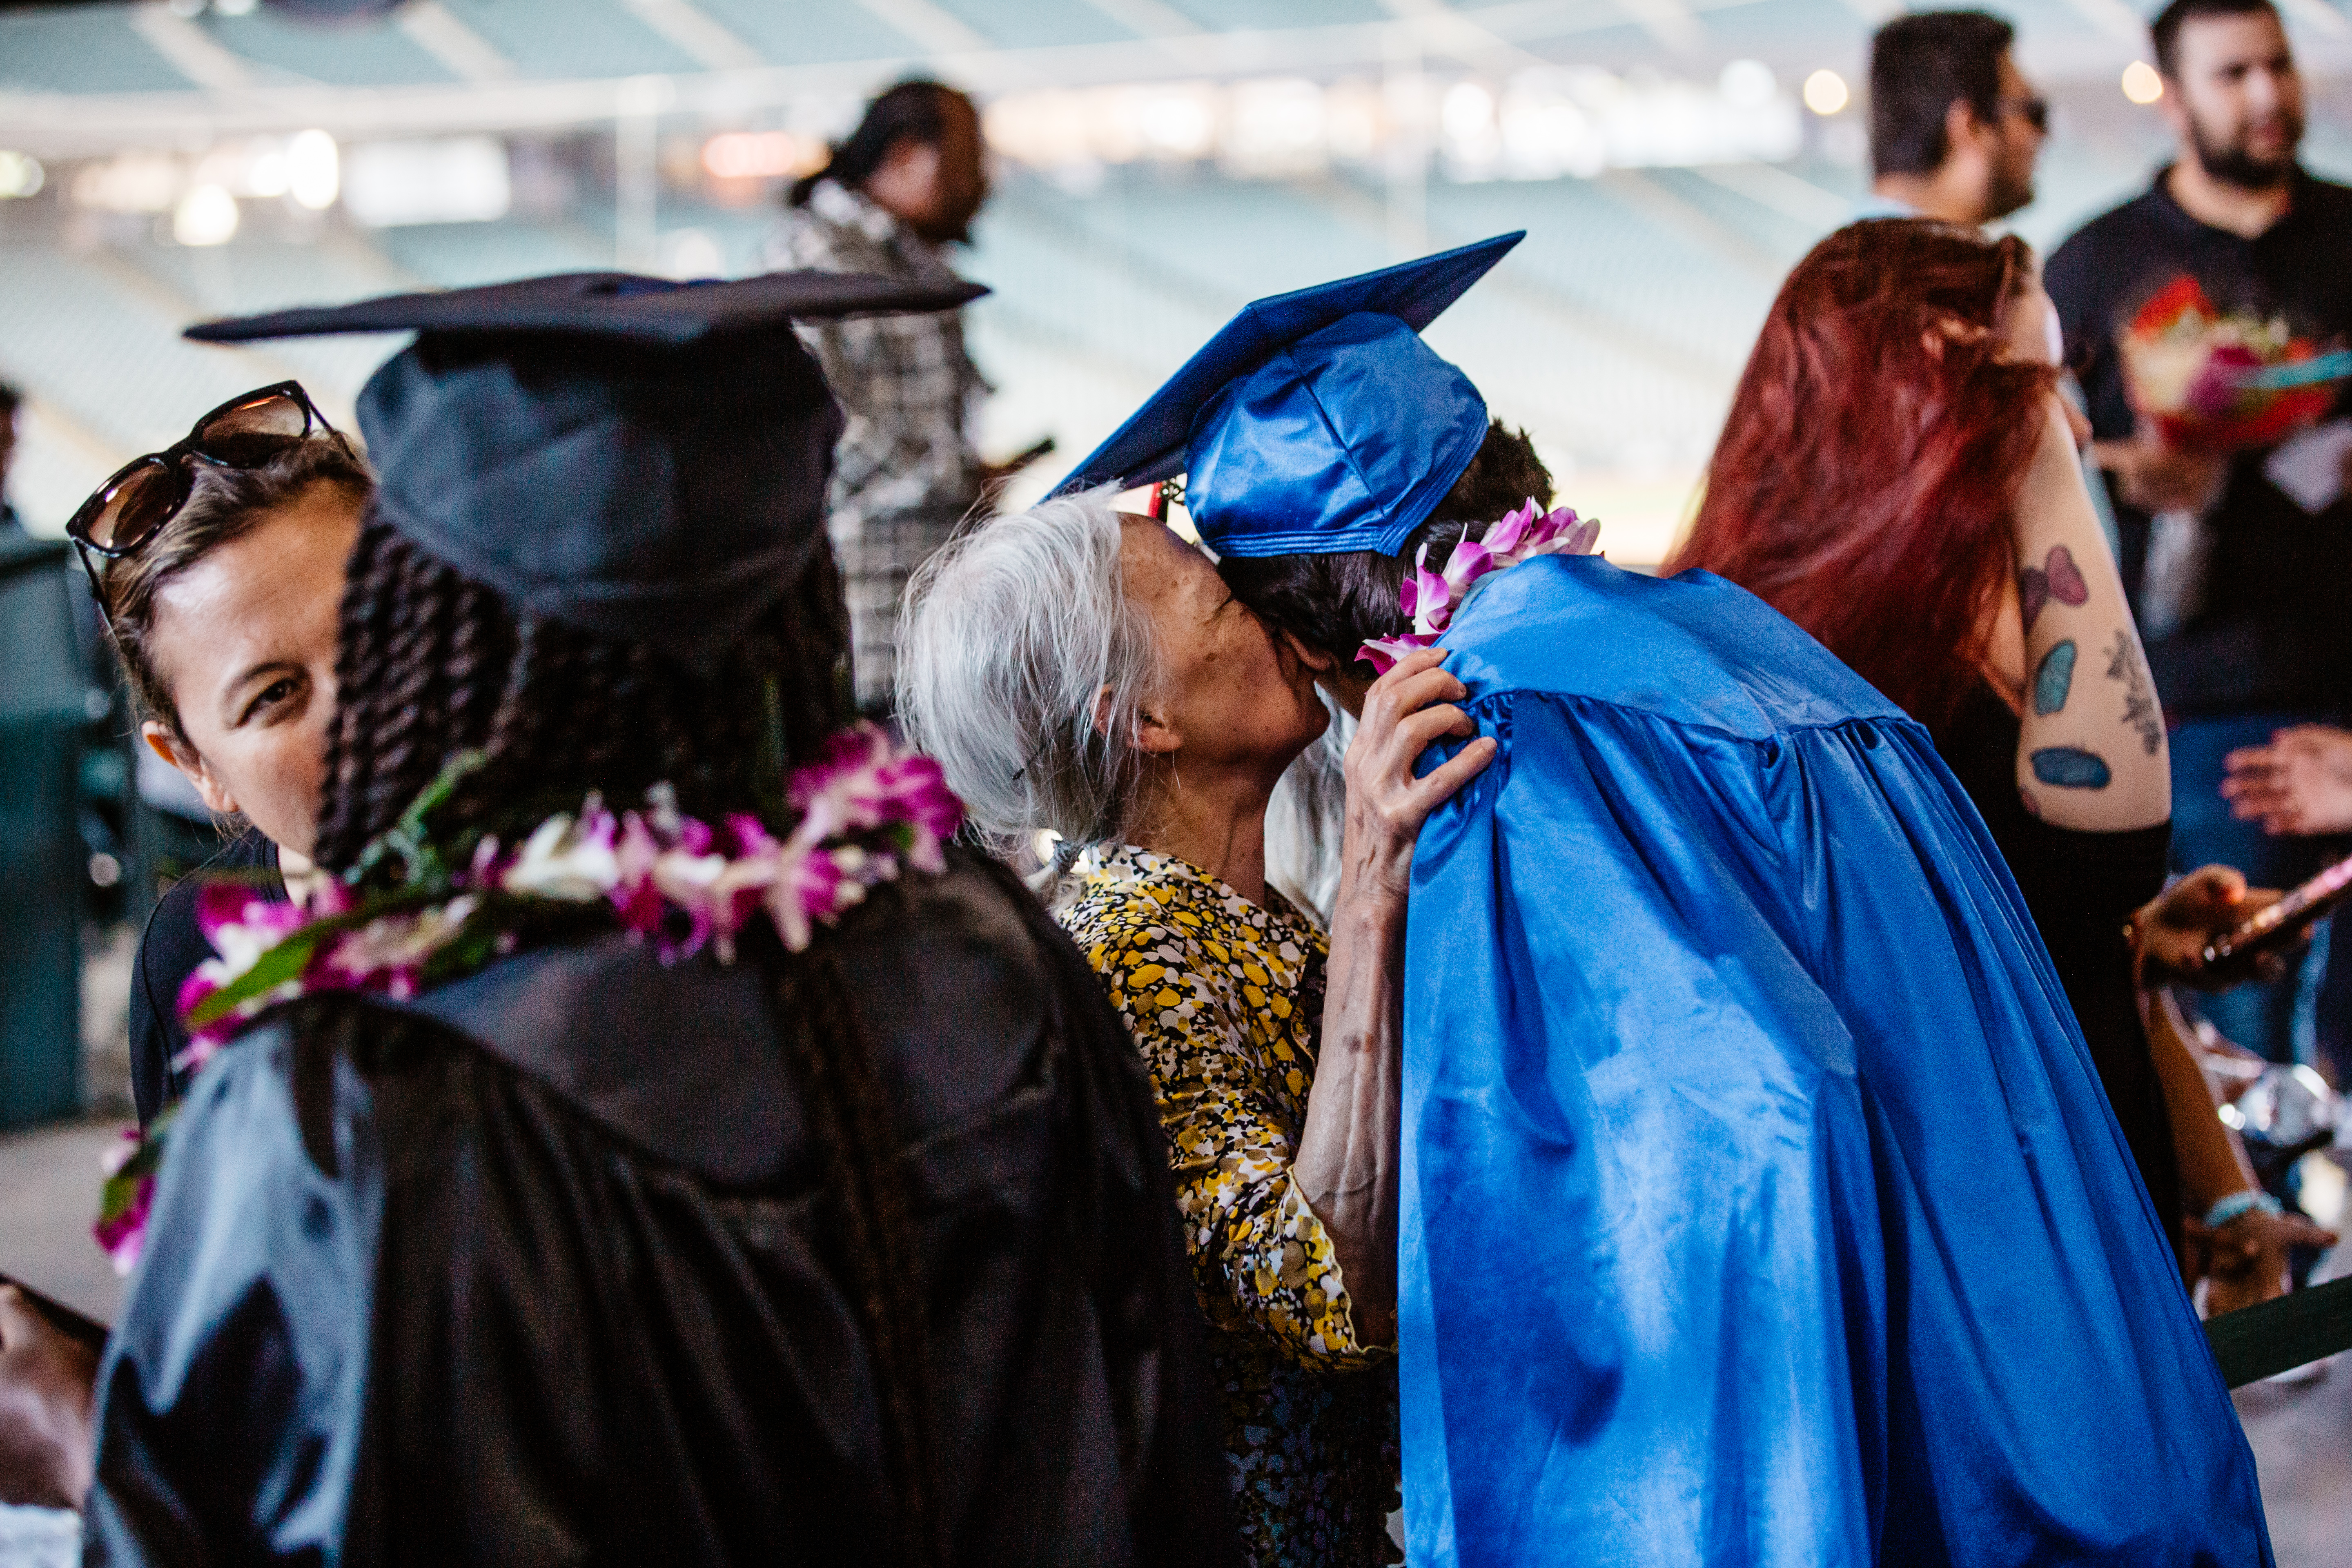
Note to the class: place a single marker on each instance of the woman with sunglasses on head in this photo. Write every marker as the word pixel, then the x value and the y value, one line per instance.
pixel 217 565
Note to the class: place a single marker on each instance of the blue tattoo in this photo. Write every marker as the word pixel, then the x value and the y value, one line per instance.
pixel 2069 767
pixel 2054 678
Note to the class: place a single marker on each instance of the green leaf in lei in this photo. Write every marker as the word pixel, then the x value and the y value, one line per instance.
pixel 504 922
pixel 290 958
pixel 121 1190
pixel 409 841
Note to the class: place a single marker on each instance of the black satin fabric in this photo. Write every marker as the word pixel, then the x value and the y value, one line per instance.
pixel 535 1271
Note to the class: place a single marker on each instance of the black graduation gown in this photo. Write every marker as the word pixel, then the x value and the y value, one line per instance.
pixel 536 1270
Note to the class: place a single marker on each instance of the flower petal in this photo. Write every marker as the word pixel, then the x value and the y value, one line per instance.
pixel 1430 599
pixel 1383 653
pixel 1505 536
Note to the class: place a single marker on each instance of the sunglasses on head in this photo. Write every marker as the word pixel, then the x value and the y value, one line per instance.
pixel 147 492
pixel 2036 111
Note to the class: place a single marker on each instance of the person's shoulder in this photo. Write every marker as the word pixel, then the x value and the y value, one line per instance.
pixel 974 906
pixel 2132 214
pixel 956 980
pixel 1692 649
pixel 802 241
pixel 170 946
pixel 2330 199
pixel 1130 896
pixel 2094 248
pixel 173 943
pixel 967 990
pixel 250 850
pixel 277 1101
pixel 835 230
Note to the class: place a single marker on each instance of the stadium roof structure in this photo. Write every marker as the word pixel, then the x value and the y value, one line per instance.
pixel 82 79
pixel 1615 333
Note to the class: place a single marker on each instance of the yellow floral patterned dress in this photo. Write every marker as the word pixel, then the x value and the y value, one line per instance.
pixel 1225 1000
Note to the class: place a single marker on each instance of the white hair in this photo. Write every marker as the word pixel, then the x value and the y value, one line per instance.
pixel 1305 820
pixel 1023 669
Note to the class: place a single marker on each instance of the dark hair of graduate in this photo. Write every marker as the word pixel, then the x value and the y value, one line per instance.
pixel 1335 603
pixel 912 111
pixel 431 663
pixel 1920 65
pixel 2163 32
pixel 1866 474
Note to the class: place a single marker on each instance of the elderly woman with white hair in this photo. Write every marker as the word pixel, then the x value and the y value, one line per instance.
pixel 1085 672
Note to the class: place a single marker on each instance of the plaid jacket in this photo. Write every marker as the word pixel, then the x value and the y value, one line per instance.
pixel 906 470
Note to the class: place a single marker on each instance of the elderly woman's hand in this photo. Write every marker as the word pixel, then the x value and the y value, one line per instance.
pixel 1406 710
pixel 1346 1161
pixel 46 1399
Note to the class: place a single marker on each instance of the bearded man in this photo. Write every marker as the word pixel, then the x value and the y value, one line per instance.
pixel 2235 561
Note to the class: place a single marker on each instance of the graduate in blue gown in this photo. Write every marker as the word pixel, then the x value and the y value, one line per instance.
pixel 1760 1204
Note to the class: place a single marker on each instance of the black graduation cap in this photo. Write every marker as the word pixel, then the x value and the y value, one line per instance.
pixel 645 459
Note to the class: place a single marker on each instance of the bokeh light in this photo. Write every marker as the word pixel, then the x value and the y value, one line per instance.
pixel 207 214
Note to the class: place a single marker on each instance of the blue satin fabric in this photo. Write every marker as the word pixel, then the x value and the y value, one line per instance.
pixel 1160 439
pixel 1761 1204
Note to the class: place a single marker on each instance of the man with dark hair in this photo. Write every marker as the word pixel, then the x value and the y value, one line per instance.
pixel 2235 580
pixel 906 185
pixel 1954 126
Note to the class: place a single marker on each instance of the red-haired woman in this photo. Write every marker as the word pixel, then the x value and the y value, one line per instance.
pixel 1898 476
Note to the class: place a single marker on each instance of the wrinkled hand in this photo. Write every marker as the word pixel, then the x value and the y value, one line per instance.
pixel 1406 710
pixel 2245 1260
pixel 46 1396
pixel 2169 933
pixel 2300 783
pixel 2154 477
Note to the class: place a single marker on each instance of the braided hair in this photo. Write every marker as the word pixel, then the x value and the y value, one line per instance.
pixel 432 663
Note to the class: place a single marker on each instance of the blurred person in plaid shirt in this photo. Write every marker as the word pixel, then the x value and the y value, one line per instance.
pixel 903 187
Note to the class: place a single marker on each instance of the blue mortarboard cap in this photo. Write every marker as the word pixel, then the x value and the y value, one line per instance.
pixel 642 458
pixel 1316 421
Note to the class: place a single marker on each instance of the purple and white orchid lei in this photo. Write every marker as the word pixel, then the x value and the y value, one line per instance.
pixel 1432 597
pixel 866 808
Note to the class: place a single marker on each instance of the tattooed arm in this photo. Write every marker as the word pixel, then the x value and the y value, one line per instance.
pixel 2091 752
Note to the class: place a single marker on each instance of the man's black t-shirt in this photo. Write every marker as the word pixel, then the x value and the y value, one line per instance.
pixel 169 950
pixel 2275 627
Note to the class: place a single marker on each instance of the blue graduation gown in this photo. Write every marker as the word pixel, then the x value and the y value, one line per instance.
pixel 1761 1204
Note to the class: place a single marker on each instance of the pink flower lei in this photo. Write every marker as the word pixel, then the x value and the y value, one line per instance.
pixel 868 809
pixel 1432 597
